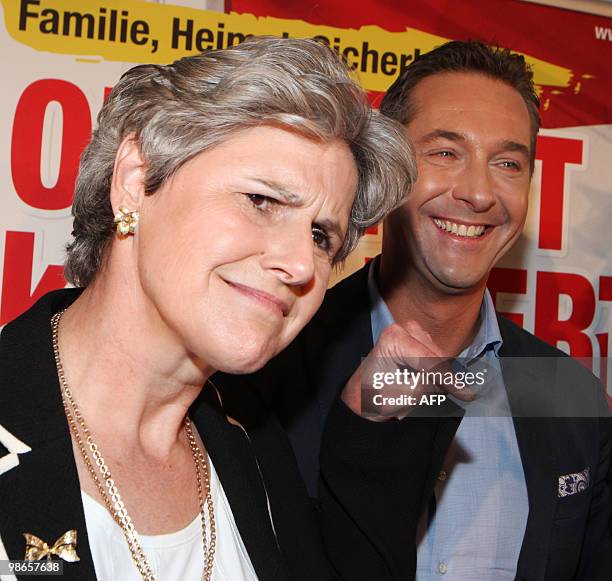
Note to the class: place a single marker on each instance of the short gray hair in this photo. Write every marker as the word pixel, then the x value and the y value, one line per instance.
pixel 179 110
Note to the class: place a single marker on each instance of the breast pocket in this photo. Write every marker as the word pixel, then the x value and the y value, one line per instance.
pixel 567 532
pixel 574 506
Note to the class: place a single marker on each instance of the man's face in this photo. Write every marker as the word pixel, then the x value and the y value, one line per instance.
pixel 472 140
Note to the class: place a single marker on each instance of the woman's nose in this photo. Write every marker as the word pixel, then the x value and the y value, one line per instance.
pixel 290 255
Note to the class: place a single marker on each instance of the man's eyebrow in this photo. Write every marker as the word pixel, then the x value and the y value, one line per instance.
pixel 442 134
pixel 506 145
pixel 510 145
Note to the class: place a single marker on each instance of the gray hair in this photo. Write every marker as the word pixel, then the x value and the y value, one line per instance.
pixel 177 111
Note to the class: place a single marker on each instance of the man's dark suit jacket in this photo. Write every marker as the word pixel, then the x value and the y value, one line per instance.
pixel 344 535
pixel 565 538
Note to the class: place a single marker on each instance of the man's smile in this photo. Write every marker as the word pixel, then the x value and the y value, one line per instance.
pixel 462 229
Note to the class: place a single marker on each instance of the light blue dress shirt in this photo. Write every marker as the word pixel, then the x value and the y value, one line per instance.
pixel 481 506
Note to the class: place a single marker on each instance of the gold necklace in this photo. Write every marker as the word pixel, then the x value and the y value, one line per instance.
pixel 111 496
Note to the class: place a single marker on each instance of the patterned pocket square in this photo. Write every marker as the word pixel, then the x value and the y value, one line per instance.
pixel 570 484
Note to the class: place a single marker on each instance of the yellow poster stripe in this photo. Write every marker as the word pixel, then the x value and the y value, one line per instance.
pixel 135 31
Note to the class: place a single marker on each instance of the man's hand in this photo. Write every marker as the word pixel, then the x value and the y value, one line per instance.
pixel 409 358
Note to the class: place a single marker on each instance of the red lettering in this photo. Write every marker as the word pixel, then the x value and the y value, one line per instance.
pixel 375 98
pixel 550 286
pixel 602 339
pixel 508 280
pixel 605 288
pixel 555 153
pixel 605 294
pixel 17 277
pixel 26 147
pixel 372 230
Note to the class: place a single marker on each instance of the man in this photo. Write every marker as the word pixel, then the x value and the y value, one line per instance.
pixel 518 497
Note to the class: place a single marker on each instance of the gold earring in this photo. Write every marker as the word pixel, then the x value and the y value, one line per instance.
pixel 126 221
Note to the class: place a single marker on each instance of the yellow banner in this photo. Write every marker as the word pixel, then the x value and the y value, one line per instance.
pixel 134 31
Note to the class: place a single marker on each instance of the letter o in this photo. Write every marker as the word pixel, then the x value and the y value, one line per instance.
pixel 26 145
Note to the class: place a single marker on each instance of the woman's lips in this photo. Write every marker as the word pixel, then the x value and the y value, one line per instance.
pixel 262 297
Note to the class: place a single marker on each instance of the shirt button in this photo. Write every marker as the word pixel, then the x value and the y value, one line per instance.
pixel 442 476
pixel 442 568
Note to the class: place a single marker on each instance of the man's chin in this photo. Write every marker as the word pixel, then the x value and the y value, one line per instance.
pixel 459 283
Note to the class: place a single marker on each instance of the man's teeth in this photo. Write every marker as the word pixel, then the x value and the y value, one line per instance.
pixel 459 229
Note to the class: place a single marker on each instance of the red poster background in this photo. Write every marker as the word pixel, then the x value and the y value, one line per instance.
pixel 555 35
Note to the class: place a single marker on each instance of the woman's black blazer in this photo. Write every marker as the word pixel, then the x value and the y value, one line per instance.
pixel 374 476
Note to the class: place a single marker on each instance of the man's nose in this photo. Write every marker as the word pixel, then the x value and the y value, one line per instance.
pixel 475 186
pixel 289 254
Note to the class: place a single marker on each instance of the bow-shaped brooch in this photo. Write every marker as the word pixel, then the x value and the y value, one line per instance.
pixel 64 547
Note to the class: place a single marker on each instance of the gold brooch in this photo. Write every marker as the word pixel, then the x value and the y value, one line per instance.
pixel 64 547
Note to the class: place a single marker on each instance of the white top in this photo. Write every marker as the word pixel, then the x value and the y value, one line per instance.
pixel 173 557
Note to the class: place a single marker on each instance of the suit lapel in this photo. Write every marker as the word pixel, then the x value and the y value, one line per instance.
pixel 41 495
pixel 339 338
pixel 537 442
pixel 346 320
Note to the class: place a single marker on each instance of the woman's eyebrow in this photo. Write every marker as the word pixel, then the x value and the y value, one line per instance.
pixel 331 226
pixel 291 197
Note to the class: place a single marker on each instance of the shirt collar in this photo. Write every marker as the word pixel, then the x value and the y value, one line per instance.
pixel 487 337
pixel 380 315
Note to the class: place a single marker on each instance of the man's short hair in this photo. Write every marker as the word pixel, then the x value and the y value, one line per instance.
pixel 465 57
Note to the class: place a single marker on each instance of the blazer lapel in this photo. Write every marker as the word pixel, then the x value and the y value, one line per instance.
pixel 534 436
pixel 537 442
pixel 12 447
pixel 41 494
pixel 230 449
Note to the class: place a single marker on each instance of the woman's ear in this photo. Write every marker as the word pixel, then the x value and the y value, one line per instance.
pixel 127 185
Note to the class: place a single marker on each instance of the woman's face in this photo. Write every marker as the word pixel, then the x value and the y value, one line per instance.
pixel 234 251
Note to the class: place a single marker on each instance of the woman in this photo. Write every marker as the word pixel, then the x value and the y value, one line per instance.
pixel 213 200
